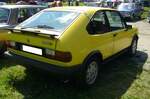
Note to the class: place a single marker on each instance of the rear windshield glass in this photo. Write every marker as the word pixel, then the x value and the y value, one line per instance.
pixel 4 15
pixel 53 20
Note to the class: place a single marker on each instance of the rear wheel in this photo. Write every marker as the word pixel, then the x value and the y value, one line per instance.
pixel 91 71
pixel 2 48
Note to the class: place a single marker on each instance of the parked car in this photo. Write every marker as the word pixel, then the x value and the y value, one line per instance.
pixel 130 10
pixel 72 40
pixel 11 15
pixel 94 3
pixel 145 3
pixel 148 17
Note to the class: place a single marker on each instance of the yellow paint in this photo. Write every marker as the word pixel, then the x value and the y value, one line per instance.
pixel 76 40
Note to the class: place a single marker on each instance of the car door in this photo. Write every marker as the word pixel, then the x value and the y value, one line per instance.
pixel 100 38
pixel 121 36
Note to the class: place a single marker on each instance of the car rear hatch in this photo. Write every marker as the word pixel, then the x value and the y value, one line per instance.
pixel 33 41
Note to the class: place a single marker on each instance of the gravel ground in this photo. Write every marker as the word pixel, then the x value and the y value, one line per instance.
pixel 144 39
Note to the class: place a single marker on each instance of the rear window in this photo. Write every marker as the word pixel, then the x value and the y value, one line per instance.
pixel 50 20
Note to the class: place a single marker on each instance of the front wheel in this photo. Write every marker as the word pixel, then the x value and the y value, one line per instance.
pixel 133 47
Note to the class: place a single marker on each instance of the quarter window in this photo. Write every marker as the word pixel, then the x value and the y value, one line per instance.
pixel 98 24
pixel 22 14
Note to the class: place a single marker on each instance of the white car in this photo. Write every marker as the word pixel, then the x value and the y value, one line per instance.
pixel 95 3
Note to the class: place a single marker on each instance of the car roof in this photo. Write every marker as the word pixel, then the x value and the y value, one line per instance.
pixel 78 9
pixel 129 3
pixel 20 6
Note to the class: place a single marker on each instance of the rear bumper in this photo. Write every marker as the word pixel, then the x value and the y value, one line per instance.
pixel 65 71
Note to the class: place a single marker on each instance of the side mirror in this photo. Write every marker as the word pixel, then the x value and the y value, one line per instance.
pixel 129 26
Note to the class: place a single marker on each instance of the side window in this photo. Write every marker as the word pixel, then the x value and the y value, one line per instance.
pixel 115 20
pixel 22 14
pixel 98 23
pixel 33 11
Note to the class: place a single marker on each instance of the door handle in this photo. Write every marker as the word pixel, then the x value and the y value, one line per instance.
pixel 115 34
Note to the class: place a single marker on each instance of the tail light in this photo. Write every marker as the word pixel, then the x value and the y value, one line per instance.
pixel 58 55
pixel 10 44
pixel 48 53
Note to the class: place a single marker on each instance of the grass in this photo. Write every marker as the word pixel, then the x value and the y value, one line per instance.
pixel 123 78
pixel 145 13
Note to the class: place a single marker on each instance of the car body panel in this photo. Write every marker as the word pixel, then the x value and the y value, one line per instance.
pixel 123 39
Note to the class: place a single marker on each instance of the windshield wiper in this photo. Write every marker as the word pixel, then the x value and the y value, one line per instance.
pixel 44 26
pixel 28 31
pixel 39 26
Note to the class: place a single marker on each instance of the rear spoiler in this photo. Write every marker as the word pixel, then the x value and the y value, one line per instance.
pixel 24 31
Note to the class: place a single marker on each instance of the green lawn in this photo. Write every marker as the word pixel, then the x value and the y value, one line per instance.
pixel 145 13
pixel 123 78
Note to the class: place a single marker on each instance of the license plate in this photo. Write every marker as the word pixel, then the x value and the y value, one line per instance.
pixel 33 50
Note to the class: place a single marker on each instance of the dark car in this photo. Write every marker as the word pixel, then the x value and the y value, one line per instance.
pixel 11 15
pixel 131 10
pixel 145 3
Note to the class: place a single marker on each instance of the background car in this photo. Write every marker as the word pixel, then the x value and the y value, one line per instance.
pixel 73 40
pixel 94 3
pixel 11 15
pixel 130 10
pixel 145 3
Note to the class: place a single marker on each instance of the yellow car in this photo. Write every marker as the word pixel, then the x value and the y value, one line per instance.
pixel 73 40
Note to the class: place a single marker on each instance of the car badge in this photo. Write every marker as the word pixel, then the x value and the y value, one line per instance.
pixel 47 43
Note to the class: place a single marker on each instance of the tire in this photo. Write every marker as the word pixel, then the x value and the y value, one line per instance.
pixel 2 48
pixel 133 18
pixel 139 17
pixel 133 47
pixel 90 72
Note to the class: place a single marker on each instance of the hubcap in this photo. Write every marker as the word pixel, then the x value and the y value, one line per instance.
pixel 92 72
pixel 134 46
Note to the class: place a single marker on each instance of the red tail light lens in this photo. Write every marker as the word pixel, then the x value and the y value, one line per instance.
pixel 60 56
pixel 10 44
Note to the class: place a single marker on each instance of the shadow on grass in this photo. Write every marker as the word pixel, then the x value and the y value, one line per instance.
pixel 115 79
pixel 6 61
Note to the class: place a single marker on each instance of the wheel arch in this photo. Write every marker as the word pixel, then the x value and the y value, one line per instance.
pixel 96 54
